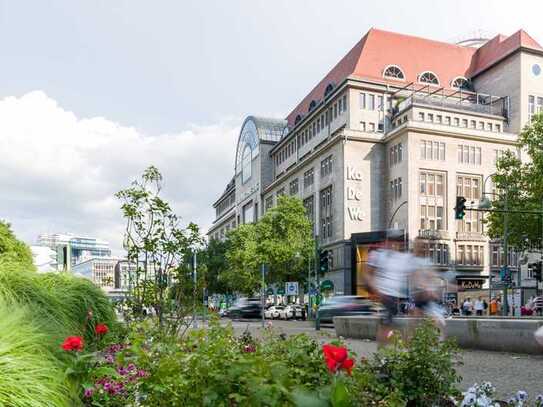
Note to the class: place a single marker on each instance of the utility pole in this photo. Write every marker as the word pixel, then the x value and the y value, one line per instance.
pixel 195 279
pixel 505 307
pixel 309 288
pixel 263 295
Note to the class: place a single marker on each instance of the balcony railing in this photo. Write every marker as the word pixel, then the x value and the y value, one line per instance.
pixel 477 103
pixel 432 234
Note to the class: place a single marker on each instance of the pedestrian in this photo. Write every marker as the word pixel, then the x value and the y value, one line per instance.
pixel 485 306
pixel 467 307
pixel 538 305
pixel 479 307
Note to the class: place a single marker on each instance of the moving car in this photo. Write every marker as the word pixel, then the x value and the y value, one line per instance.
pixel 345 305
pixel 245 308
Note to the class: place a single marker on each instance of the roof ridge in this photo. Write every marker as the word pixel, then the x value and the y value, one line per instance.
pixel 419 38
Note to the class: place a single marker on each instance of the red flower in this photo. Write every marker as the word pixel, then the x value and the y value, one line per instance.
pixel 101 329
pixel 73 343
pixel 336 357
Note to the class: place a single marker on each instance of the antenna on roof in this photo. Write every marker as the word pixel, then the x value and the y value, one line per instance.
pixel 475 39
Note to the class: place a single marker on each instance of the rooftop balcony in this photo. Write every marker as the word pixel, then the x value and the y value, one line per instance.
pixel 450 99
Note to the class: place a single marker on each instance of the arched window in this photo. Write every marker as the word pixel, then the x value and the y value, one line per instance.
pixel 393 72
pixel 461 83
pixel 246 164
pixel 312 105
pixel 329 89
pixel 428 77
pixel 298 119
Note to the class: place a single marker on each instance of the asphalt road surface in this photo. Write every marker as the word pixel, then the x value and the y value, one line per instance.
pixel 506 371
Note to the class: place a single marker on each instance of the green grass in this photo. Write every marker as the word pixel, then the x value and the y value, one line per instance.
pixel 30 375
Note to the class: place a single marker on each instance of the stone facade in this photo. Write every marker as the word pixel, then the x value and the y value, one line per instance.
pixel 374 155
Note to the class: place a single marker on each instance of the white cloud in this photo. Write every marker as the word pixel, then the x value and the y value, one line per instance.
pixel 59 173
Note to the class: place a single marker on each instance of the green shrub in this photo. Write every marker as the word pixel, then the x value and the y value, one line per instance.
pixel 30 376
pixel 417 372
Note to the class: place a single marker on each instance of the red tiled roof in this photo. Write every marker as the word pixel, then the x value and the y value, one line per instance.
pixel 414 55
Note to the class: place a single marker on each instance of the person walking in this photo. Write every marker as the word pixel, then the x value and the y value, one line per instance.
pixel 467 307
pixel 479 307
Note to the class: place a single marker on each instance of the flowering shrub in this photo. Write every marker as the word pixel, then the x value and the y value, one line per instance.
pixel 336 358
pixel 482 396
pixel 73 343
pixel 101 329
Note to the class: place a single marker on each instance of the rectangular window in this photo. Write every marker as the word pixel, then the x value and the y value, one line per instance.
pixel 363 101
pixel 380 105
pixel 488 126
pixel 448 120
pixel 363 126
pixel 469 155
pixel 293 187
pixel 470 255
pixel 372 127
pixel 309 204
pixel 531 107
pixel 472 124
pixel 498 128
pixel 421 116
pixel 335 110
pixel 322 122
pixel 468 186
pixel 339 106
pixel 280 191
pixel 456 121
pixel 344 102
pixel 326 213
pixel 326 166
pixel 432 217
pixel 309 177
pixel 371 102
pixel 481 125
pixel 464 122
pixel 430 117
pixel 439 119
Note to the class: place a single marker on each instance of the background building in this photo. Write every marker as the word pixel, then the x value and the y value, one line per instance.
pixel 72 249
pixel 387 140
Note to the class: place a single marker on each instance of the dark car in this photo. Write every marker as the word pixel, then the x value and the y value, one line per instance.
pixel 346 305
pixel 245 308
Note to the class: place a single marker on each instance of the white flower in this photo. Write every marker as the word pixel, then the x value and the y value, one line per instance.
pixel 521 395
pixel 469 400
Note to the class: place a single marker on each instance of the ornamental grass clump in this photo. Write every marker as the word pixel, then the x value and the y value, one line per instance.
pixel 30 375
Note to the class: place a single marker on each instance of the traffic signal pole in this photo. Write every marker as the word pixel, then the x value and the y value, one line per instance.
pixel 505 308
pixel 317 276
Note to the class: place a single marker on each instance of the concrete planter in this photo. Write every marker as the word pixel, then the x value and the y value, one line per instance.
pixel 495 334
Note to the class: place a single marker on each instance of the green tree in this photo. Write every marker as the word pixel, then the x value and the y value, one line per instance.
pixel 160 248
pixel 214 259
pixel 285 240
pixel 14 253
pixel 243 260
pixel 521 184
pixel 282 240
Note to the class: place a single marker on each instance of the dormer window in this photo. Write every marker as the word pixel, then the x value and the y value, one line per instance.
pixel 312 105
pixel 298 119
pixel 428 77
pixel 393 72
pixel 461 83
pixel 329 89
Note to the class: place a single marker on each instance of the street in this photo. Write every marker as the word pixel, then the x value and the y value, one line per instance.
pixel 507 372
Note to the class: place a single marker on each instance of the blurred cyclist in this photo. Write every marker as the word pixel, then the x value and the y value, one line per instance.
pixel 388 279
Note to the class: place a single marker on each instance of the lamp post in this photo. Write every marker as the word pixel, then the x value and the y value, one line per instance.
pixel 486 204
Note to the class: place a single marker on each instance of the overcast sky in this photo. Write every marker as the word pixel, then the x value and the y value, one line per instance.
pixel 92 92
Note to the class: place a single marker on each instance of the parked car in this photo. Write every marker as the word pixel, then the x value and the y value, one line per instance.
pixel 273 312
pixel 245 308
pixel 346 305
pixel 287 312
pixel 300 312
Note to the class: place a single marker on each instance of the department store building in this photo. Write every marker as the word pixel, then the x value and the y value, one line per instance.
pixel 381 147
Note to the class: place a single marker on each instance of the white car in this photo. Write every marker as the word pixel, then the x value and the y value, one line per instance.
pixel 287 312
pixel 273 312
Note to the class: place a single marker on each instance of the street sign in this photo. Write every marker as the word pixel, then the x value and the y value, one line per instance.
pixel 280 291
pixel 313 291
pixel 291 288
pixel 269 291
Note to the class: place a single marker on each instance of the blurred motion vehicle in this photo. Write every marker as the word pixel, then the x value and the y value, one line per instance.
pixel 299 311
pixel 245 308
pixel 346 305
pixel 273 312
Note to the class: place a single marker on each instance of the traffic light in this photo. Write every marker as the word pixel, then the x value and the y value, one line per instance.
pixel 460 208
pixel 536 268
pixel 323 261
